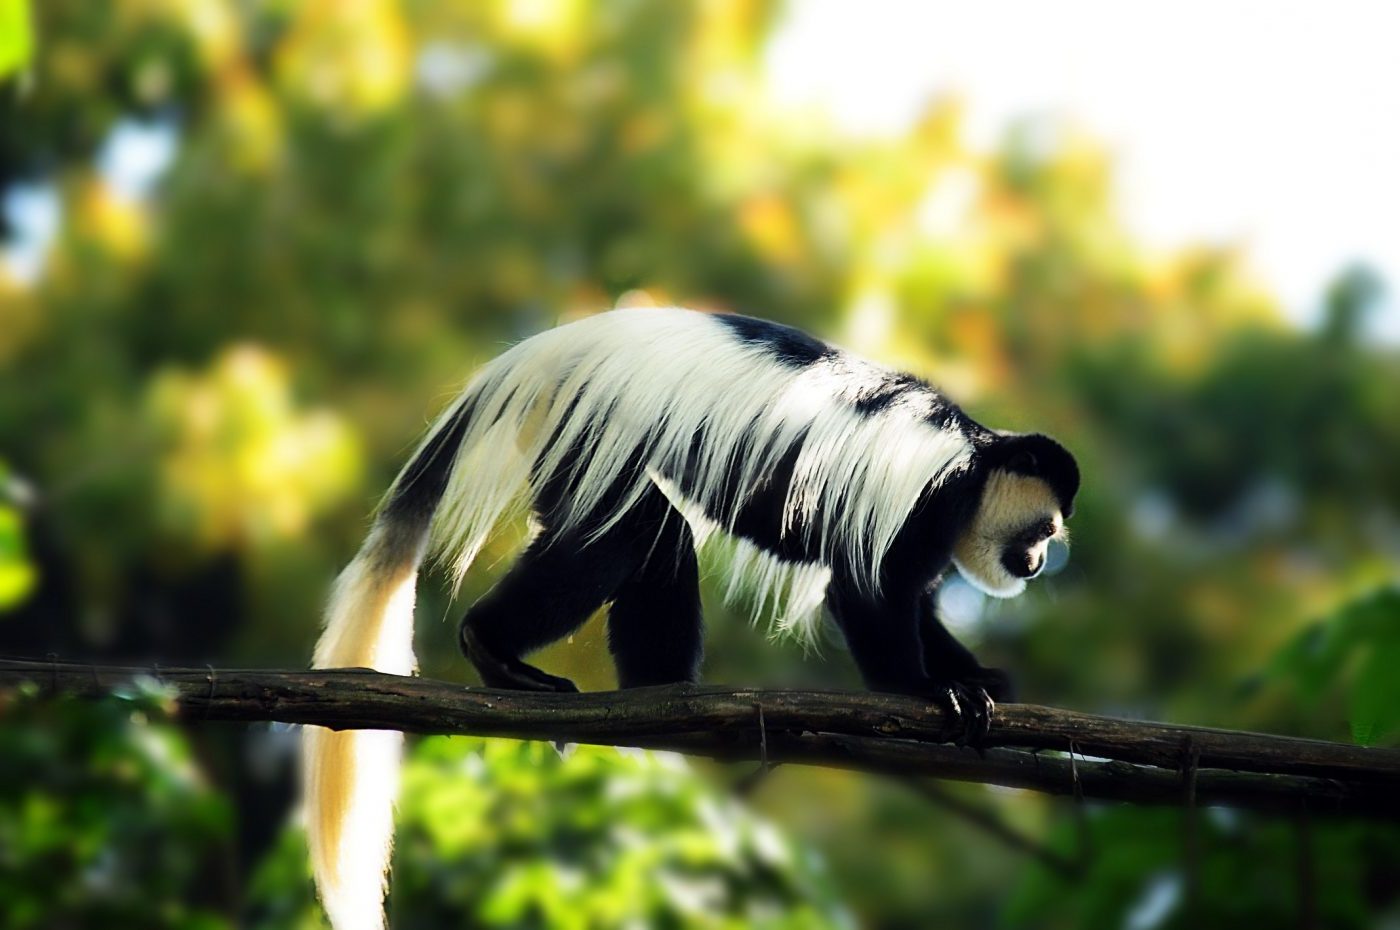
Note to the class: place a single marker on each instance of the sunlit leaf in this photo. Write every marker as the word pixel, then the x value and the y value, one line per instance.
pixel 16 36
pixel 17 574
pixel 1359 648
pixel 1375 693
pixel 242 462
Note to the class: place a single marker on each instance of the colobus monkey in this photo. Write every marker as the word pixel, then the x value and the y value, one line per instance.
pixel 632 436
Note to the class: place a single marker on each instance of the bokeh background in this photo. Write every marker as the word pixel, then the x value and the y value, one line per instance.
pixel 251 247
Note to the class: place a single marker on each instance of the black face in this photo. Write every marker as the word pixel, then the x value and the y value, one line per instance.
pixel 1024 556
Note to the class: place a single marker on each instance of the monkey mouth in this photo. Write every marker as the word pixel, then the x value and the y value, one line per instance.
pixel 1022 564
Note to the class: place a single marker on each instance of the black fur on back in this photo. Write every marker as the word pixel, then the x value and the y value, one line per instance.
pixel 788 345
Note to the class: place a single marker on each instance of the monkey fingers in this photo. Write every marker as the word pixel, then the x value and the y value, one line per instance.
pixel 968 710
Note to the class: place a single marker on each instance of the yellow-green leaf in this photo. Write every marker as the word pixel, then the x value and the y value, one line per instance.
pixel 16 36
pixel 17 575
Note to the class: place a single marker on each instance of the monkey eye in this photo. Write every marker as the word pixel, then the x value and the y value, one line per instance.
pixel 1037 532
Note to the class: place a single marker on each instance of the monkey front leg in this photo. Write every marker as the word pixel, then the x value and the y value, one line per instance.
pixel 887 638
pixel 948 660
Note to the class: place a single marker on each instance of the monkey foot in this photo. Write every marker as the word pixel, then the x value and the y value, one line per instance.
pixel 519 676
pixel 510 673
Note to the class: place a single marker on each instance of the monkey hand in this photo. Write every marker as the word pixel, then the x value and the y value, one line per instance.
pixel 969 701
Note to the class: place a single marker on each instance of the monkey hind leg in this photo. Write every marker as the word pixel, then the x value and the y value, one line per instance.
pixel 644 563
pixel 655 626
pixel 555 585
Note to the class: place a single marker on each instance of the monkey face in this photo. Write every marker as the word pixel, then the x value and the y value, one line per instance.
pixel 1005 544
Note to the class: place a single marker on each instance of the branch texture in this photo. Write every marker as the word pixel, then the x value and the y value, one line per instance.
pixel 1037 748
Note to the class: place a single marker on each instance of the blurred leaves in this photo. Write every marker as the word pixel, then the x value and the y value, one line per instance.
pixel 105 820
pixel 17 573
pixel 1249 873
pixel 351 57
pixel 499 833
pixel 16 37
pixel 1358 646
pixel 240 462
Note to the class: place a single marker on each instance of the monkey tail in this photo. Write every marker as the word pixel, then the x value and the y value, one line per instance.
pixel 350 778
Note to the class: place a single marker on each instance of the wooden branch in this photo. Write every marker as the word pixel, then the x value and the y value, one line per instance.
pixel 1113 759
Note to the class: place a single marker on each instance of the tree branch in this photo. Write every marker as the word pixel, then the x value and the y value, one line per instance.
pixel 1136 761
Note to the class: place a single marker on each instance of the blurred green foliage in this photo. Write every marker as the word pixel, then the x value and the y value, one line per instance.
pixel 497 833
pixel 1357 649
pixel 1250 873
pixel 285 231
pixel 16 36
pixel 106 819
pixel 17 572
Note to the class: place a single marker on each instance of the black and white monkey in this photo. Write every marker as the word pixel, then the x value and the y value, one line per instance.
pixel 630 437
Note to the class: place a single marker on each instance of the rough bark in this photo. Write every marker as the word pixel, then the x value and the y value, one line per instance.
pixel 1037 748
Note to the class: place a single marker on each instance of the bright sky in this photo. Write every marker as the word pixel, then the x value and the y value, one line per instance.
pixel 1272 125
